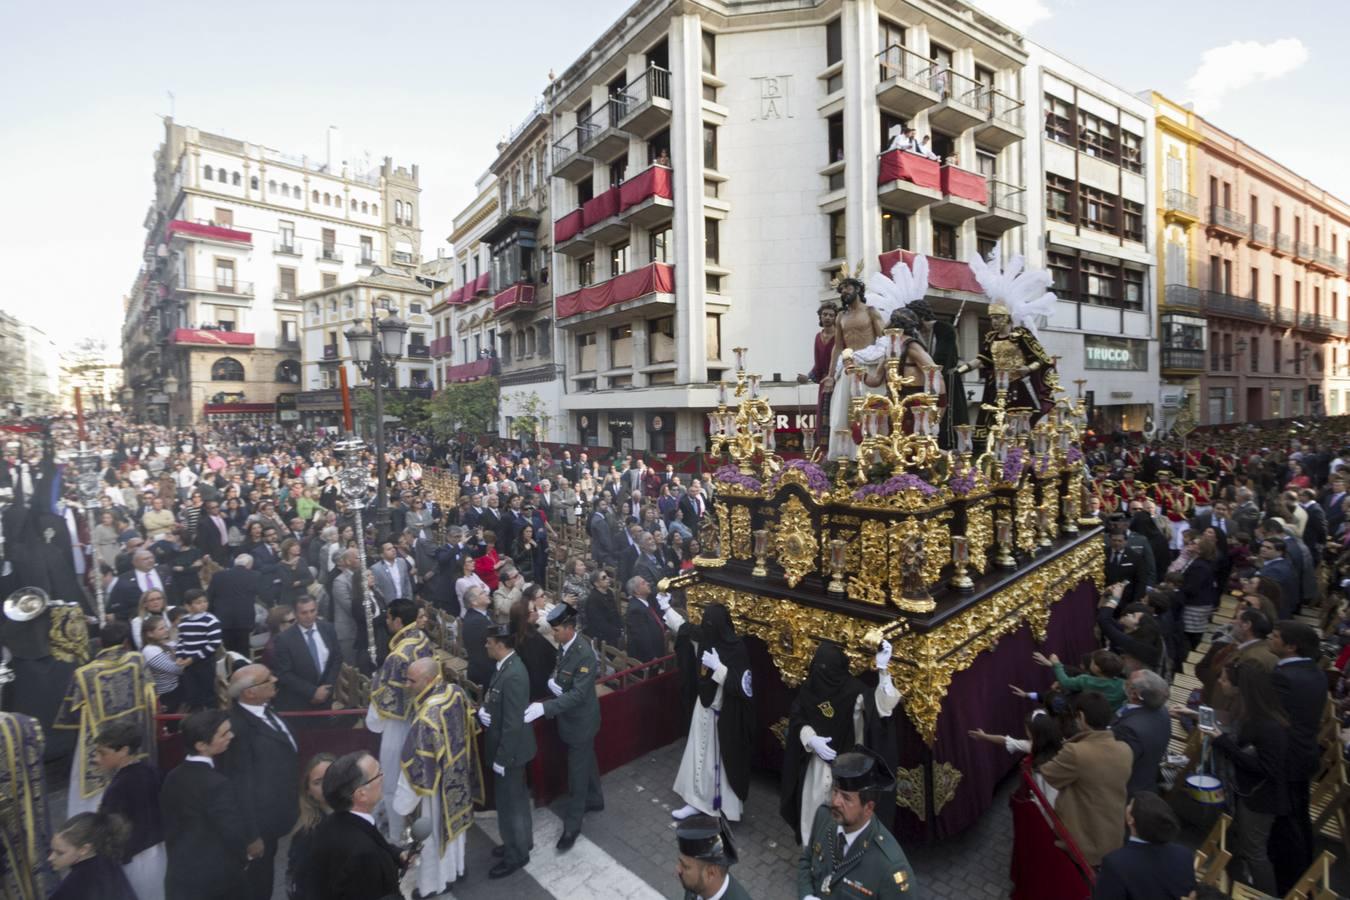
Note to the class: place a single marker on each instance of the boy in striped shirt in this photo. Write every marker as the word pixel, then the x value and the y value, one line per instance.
pixel 198 640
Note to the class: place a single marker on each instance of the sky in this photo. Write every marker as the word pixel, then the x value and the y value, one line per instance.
pixel 82 91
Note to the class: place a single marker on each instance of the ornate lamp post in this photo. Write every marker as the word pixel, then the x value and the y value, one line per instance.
pixel 378 360
pixel 352 482
pixel 87 463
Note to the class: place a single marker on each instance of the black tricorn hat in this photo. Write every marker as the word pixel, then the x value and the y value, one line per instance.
pixel 562 614
pixel 707 839
pixel 861 769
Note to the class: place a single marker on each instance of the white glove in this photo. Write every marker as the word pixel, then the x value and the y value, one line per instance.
pixel 533 711
pixel 821 747
pixel 484 717
pixel 500 770
pixel 884 655
pixel 663 601
pixel 712 660
pixel 555 688
pixel 810 897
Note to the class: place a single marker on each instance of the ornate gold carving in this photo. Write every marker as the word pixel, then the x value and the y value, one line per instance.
pixel 69 635
pixel 795 541
pixel 980 534
pixel 1024 517
pixel 1050 502
pixel 868 585
pixel 779 730
pixel 740 532
pixel 910 791
pixel 946 777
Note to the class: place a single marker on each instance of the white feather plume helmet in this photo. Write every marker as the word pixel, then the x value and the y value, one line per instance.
pixel 905 285
pixel 1025 293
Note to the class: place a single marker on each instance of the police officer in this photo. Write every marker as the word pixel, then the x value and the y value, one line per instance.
pixel 850 853
pixel 509 746
pixel 706 857
pixel 578 713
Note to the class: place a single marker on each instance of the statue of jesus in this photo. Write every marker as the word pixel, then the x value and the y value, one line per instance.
pixel 858 326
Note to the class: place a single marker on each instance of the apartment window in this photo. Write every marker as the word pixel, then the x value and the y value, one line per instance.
pixel 286 283
pixel 1298 297
pixel 1276 222
pixel 709 53
pixel 617 170
pixel 835 127
pixel 710 188
pixel 1133 219
pixel 1101 283
pixel 889 34
pixel 206 173
pixel 944 241
pixel 985 244
pixel 712 244
pixel 834 42
pixel 712 283
pixel 349 306
pixel 941 55
pixel 1058 120
pixel 661 339
pixel 1097 209
pixel 621 347
pixel 1252 209
pixel 1133 282
pixel 894 230
pixel 618 259
pixel 367 249
pixel 1227 195
pixel 1277 354
pixel 329 243
pixel 712 341
pixel 414 309
pixel 1277 289
pixel 838 244
pixel 660 243
pixel 1131 151
pixel 1254 281
pixel 1061 275
pixel 1215 274
pixel 709 146
pixel 329 280
pixel 1228 276
pixel 1058 198
pixel 224 217
pixel 1213 191
pixel 1097 137
pixel 585 271
pixel 287 232
pixel 1254 350
pixel 1214 353
pixel 290 331
pixel 225 318
pixel 225 275
pixel 227 369
pixel 234 179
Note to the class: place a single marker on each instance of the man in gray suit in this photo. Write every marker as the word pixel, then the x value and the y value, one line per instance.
pixel 509 746
pixel 393 574
pixel 1144 725
pixel 346 617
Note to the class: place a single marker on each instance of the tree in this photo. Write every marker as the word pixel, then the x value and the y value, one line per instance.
pixel 410 411
pixel 469 406
pixel 531 418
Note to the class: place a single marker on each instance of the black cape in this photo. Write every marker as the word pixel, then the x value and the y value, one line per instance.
pixel 736 723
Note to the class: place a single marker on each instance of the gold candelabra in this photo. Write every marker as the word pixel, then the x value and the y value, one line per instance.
pixel 745 433
pixel 900 427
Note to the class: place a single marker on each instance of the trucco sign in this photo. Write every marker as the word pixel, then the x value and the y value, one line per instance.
pixel 1115 353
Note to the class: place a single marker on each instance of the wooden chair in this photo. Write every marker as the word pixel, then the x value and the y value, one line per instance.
pixel 1211 860
pixel 1316 879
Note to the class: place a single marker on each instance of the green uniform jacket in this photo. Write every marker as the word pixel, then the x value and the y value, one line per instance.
pixel 874 861
pixel 509 741
pixel 734 892
pixel 577 709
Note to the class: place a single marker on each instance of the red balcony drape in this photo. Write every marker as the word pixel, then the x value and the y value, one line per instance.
pixel 656 278
pixel 479 368
pixel 456 296
pixel 600 207
pixel 515 295
pixel 943 274
pixel 900 165
pixel 217 232
pixel 482 283
pixel 967 185
pixel 568 227
pixel 654 182
pixel 212 338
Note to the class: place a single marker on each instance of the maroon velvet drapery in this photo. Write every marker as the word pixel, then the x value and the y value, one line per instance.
pixel 656 278
pixel 967 185
pixel 901 165
pixel 652 182
pixel 600 207
pixel 567 227
pixel 943 274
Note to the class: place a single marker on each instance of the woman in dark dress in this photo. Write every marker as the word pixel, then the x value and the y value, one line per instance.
pixel 133 794
pixel 540 657
pixel 89 845
pixel 313 809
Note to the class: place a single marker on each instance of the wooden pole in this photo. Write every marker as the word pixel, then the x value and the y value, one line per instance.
pixel 346 399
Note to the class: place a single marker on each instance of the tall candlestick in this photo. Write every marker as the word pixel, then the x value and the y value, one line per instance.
pixel 960 559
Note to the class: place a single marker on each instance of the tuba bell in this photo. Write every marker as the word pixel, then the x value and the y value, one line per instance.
pixel 27 604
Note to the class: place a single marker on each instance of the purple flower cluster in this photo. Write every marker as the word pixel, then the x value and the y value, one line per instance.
pixel 964 483
pixel 1073 455
pixel 1014 464
pixel 732 475
pixel 815 476
pixel 895 485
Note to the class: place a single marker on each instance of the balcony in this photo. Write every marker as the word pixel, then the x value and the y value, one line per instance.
pixel 516 297
pixel 1182 361
pixel 1282 245
pixel 906 87
pixel 215 286
pixel 478 287
pixel 603 139
pixel 959 98
pixel 1226 223
pixel 1325 261
pixel 1221 304
pixel 1183 297
pixel 1007 207
pixel 1179 206
pixel 206 337
pixel 472 371
pixel 283 248
pixel 944 275
pixel 645 199
pixel 907 181
pixel 567 234
pixel 442 346
pixel 419 351
pixel 568 161
pixel 1003 124
pixel 330 351
pixel 207 231
pixel 330 254
pixel 1285 316
pixel 1315 323
pixel 646 103
pixel 368 259
pixel 964 195
pixel 652 282
pixel 280 295
pixel 600 218
pixel 1260 236
pixel 1302 251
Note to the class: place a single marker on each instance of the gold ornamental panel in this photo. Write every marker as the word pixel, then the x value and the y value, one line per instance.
pixel 979 534
pixel 795 542
pixel 740 532
pixel 867 584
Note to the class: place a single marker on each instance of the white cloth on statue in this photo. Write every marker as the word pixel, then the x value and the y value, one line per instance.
pixel 841 429
pixel 392 733
pixel 433 870
pixel 819 777
pixel 146 871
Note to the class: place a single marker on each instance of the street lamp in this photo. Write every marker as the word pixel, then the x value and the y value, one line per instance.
pixel 378 360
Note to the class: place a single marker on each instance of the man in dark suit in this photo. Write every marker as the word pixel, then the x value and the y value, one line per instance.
pixel 350 859
pixel 213 535
pixel 1315 529
pixel 1123 565
pixel 509 745
pixel 601 610
pixel 1275 566
pixel 646 632
pixel 262 764
pixel 308 659
pixel 125 597
pixel 627 553
pixel 513 523
pixel 694 506
pixel 649 564
pixel 491 520
pixel 393 574
pixel 1302 688
pixel 602 537
pixel 1143 724
pixel 1151 864
pixel 477 622
pixel 1331 503
pixel 205 831
pixel 232 594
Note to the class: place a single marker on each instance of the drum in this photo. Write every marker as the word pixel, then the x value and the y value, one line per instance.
pixel 1206 790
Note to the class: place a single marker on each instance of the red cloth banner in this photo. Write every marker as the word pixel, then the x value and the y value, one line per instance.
pixel 600 207
pixel 470 371
pixel 481 284
pixel 455 296
pixel 901 165
pixel 967 185
pixel 568 227
pixel 656 278
pixel 943 274
pixel 515 295
pixel 654 182
pixel 212 338
pixel 215 232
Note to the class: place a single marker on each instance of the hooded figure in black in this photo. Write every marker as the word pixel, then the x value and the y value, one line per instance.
pixel 715 671
pixel 832 712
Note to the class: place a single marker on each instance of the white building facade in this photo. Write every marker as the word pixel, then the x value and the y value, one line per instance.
pixel 1090 213
pixel 464 316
